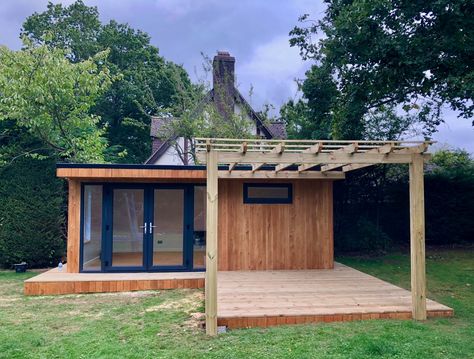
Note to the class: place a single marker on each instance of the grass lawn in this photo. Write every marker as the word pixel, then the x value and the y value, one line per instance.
pixel 160 324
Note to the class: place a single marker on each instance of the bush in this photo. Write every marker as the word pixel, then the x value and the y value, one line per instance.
pixel 362 235
pixel 371 207
pixel 31 214
pixel 449 198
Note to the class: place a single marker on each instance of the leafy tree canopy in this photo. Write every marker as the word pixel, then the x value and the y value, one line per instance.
pixel 50 97
pixel 414 56
pixel 147 82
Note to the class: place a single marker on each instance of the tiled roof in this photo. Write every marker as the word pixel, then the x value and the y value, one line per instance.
pixel 158 124
pixel 277 129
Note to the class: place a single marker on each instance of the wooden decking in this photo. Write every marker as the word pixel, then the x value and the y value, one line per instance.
pixel 260 298
pixel 267 298
pixel 53 282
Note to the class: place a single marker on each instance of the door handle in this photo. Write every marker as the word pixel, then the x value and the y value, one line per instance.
pixel 144 227
pixel 151 228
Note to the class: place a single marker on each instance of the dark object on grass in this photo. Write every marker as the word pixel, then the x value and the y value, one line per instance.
pixel 20 267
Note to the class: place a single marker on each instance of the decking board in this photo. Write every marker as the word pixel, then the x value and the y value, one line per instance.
pixel 268 298
pixel 260 298
pixel 54 282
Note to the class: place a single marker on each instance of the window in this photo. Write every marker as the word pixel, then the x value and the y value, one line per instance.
pixel 272 193
pixel 199 237
pixel 92 228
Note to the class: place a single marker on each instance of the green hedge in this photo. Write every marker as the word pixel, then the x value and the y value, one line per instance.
pixel 371 207
pixel 31 214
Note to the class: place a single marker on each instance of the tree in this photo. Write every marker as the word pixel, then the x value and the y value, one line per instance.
pixel 75 28
pixel 418 56
pixel 50 97
pixel 194 114
pixel 147 84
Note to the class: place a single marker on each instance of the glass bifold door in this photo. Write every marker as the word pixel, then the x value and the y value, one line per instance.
pixel 143 227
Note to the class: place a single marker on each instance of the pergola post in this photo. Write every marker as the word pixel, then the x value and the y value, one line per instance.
pixel 417 238
pixel 211 242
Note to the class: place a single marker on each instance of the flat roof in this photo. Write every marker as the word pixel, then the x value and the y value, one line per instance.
pixel 141 172
pixel 161 167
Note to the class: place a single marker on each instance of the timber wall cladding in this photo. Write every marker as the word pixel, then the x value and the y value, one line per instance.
pixel 276 236
pixel 74 226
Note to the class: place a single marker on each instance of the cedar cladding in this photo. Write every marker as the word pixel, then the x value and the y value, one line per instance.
pixel 276 236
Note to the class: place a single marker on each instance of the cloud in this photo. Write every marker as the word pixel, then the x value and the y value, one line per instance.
pixel 455 132
pixel 180 8
pixel 272 70
pixel 254 31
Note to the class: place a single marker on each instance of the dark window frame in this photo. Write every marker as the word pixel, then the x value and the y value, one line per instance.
pixel 261 200
pixel 107 230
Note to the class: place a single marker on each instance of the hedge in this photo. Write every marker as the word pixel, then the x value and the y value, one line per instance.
pixel 32 214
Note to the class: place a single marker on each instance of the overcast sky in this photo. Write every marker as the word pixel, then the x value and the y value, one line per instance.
pixel 254 31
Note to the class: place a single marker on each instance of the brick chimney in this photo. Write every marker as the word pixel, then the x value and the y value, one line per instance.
pixel 223 77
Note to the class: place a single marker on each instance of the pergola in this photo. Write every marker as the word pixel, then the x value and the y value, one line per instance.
pixel 310 159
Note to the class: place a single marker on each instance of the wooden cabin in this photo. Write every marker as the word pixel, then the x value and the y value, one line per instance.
pixel 254 226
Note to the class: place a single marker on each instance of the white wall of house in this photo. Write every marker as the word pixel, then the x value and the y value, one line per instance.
pixel 171 157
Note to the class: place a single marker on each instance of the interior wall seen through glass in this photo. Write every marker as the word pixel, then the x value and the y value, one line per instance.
pixel 199 236
pixel 168 227
pixel 92 227
pixel 127 232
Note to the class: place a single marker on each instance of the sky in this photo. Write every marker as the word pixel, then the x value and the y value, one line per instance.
pixel 254 31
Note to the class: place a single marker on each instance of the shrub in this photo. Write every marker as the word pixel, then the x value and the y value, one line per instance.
pixel 449 202
pixel 362 235
pixel 31 213
pixel 371 207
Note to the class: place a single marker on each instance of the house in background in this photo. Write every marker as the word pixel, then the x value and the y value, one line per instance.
pixel 226 99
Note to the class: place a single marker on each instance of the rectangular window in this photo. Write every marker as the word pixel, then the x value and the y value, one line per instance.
pixel 271 193
pixel 92 228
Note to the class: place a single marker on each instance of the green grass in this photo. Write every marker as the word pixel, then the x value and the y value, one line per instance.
pixel 158 324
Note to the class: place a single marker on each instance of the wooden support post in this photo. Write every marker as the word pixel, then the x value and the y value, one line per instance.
pixel 417 238
pixel 211 243
pixel 73 226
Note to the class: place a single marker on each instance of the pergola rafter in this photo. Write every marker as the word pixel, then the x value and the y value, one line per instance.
pixel 322 156
pixel 313 159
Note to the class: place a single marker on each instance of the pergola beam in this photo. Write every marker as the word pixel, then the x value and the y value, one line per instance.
pixel 269 174
pixel 306 158
pixel 413 149
pixel 384 149
pixel 354 166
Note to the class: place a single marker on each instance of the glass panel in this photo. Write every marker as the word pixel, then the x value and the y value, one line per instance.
pixel 127 237
pixel 168 217
pixel 199 237
pixel 92 228
pixel 267 192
